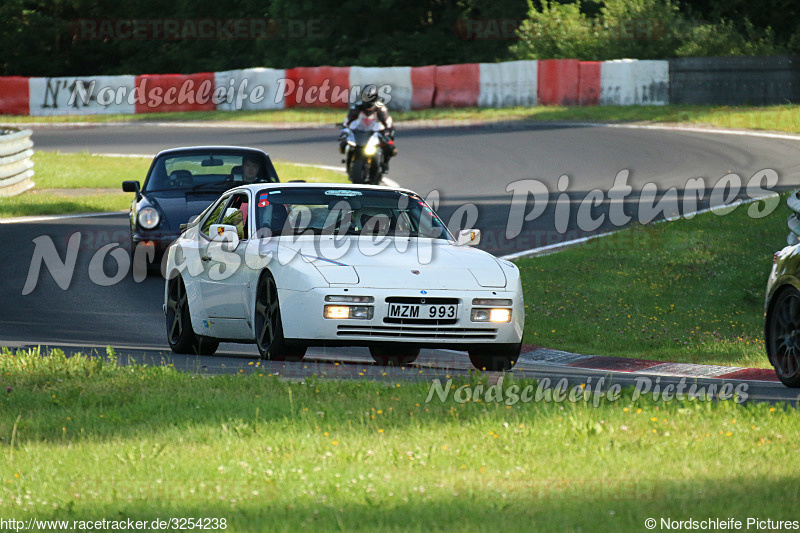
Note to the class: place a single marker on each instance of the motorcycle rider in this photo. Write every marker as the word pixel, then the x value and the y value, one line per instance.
pixel 369 105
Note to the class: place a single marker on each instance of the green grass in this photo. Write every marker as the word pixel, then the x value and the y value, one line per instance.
pixel 688 291
pixel 779 118
pixel 55 170
pixel 94 440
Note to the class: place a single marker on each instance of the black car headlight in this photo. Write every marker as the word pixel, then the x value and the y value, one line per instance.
pixel 148 217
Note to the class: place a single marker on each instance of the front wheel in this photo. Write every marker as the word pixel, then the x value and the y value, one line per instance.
pixel 357 170
pixel 496 357
pixel 783 337
pixel 269 328
pixel 180 336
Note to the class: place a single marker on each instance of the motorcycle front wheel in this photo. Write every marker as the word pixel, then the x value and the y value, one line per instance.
pixel 356 174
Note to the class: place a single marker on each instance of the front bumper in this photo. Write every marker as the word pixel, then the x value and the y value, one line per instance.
pixel 302 318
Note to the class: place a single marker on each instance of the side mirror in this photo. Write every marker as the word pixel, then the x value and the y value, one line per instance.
pixel 469 237
pixel 224 233
pixel 130 186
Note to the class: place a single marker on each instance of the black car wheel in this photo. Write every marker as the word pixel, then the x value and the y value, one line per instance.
pixel 396 355
pixel 269 328
pixel 495 358
pixel 783 337
pixel 182 339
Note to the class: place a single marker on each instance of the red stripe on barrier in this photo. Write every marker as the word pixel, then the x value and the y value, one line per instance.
pixel 458 85
pixel 161 93
pixel 752 374
pixel 317 87
pixel 558 82
pixel 589 82
pixel 423 82
pixel 14 96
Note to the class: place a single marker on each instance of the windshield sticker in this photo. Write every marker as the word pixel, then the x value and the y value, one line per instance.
pixel 345 193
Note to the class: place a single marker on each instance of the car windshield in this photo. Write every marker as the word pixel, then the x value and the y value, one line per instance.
pixel 209 171
pixel 343 211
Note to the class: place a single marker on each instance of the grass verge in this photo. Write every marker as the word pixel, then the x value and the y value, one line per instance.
pixel 777 118
pixel 687 291
pixel 83 439
pixel 59 175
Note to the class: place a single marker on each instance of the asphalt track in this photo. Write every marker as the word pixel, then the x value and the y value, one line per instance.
pixel 465 165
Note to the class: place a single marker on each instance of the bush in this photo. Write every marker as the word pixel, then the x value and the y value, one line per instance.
pixel 642 29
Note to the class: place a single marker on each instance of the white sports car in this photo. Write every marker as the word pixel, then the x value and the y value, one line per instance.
pixel 292 265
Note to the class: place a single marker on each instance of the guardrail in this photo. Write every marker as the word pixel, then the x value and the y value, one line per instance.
pixel 16 166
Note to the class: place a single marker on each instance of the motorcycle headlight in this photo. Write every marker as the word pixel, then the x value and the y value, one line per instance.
pixel 370 149
pixel 149 218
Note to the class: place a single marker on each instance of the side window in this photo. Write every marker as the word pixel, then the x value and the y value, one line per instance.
pixel 213 217
pixel 236 214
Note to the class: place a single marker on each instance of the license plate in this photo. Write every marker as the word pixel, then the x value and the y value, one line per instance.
pixel 420 311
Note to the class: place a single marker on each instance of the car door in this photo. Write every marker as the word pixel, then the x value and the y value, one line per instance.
pixel 223 283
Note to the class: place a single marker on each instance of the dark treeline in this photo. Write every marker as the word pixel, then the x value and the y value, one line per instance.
pixel 81 37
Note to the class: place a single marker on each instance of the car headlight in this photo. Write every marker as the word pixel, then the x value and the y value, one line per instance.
pixel 362 312
pixel 149 218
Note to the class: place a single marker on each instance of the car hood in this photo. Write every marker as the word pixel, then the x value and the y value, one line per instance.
pixel 178 207
pixel 403 264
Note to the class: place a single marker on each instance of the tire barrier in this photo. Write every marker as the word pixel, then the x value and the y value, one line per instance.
pixel 717 80
pixel 457 85
pixel 558 82
pixel 634 82
pixel 16 166
pixel 514 83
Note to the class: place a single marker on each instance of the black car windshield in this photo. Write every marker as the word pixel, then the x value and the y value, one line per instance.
pixel 343 211
pixel 209 171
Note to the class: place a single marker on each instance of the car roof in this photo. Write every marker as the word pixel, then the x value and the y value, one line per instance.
pixel 255 187
pixel 204 149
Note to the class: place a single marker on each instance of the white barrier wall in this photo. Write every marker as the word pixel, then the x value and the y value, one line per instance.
pixel 513 83
pixel 255 88
pixel 634 82
pixel 88 95
pixel 398 78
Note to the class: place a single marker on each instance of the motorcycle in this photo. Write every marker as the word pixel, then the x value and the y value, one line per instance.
pixel 363 153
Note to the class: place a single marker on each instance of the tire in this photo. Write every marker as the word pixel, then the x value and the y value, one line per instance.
pixel 496 358
pixel 783 336
pixel 180 336
pixel 357 170
pixel 394 355
pixel 269 327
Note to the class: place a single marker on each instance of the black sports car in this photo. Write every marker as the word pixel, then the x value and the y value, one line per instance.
pixel 181 183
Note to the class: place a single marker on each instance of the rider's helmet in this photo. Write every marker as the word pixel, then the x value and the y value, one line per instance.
pixel 369 97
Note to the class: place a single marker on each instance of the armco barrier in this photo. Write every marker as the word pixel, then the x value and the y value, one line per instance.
pixel 589 82
pixel 16 166
pixel 162 93
pixel 81 95
pixel 318 87
pixel 513 83
pixel 423 81
pixel 734 80
pixel 398 79
pixel 458 85
pixel 14 96
pixel 252 88
pixel 558 82
pixel 634 82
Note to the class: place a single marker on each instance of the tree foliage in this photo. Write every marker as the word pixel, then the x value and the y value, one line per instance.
pixel 42 37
